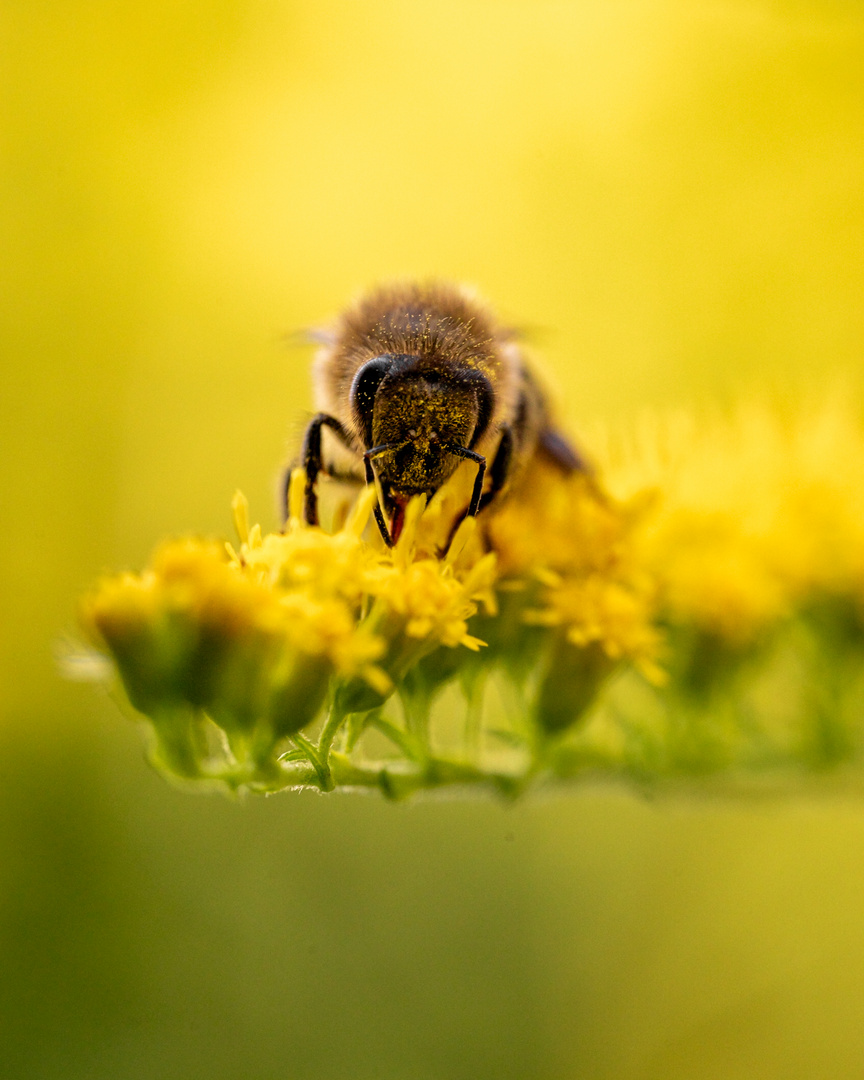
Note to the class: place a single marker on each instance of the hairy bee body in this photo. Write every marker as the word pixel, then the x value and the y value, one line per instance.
pixel 413 380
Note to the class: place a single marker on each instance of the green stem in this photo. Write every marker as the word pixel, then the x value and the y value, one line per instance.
pixel 475 689
pixel 396 782
pixel 335 720
pixel 409 744
pixel 318 762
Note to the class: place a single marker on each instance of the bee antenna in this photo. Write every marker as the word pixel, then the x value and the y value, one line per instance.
pixel 309 335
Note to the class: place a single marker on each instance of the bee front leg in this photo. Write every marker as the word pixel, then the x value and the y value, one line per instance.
pixel 380 520
pixel 498 472
pixel 310 457
pixel 480 462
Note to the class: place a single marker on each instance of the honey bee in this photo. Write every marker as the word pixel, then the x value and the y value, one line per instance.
pixel 413 380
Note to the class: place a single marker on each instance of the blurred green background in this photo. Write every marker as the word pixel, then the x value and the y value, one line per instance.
pixel 668 196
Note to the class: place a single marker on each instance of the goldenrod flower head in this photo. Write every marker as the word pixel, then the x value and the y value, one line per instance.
pixel 755 515
pixel 268 664
pixel 611 614
pixel 255 638
pixel 577 542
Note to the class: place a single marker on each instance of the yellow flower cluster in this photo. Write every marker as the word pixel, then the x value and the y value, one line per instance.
pixel 254 638
pixel 577 542
pixel 755 516
pixel 717 534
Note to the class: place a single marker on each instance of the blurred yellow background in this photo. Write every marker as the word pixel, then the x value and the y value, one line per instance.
pixel 667 196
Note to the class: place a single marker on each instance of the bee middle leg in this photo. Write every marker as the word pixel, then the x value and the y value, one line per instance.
pixel 499 470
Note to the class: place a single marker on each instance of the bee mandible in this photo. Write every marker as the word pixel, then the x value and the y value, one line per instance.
pixel 413 380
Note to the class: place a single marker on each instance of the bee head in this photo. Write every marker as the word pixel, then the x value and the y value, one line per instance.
pixel 419 411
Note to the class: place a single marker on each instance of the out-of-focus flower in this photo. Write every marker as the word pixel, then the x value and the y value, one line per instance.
pixel 756 514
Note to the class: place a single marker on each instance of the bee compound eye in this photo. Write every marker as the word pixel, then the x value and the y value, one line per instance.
pixel 364 386
pixel 367 380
